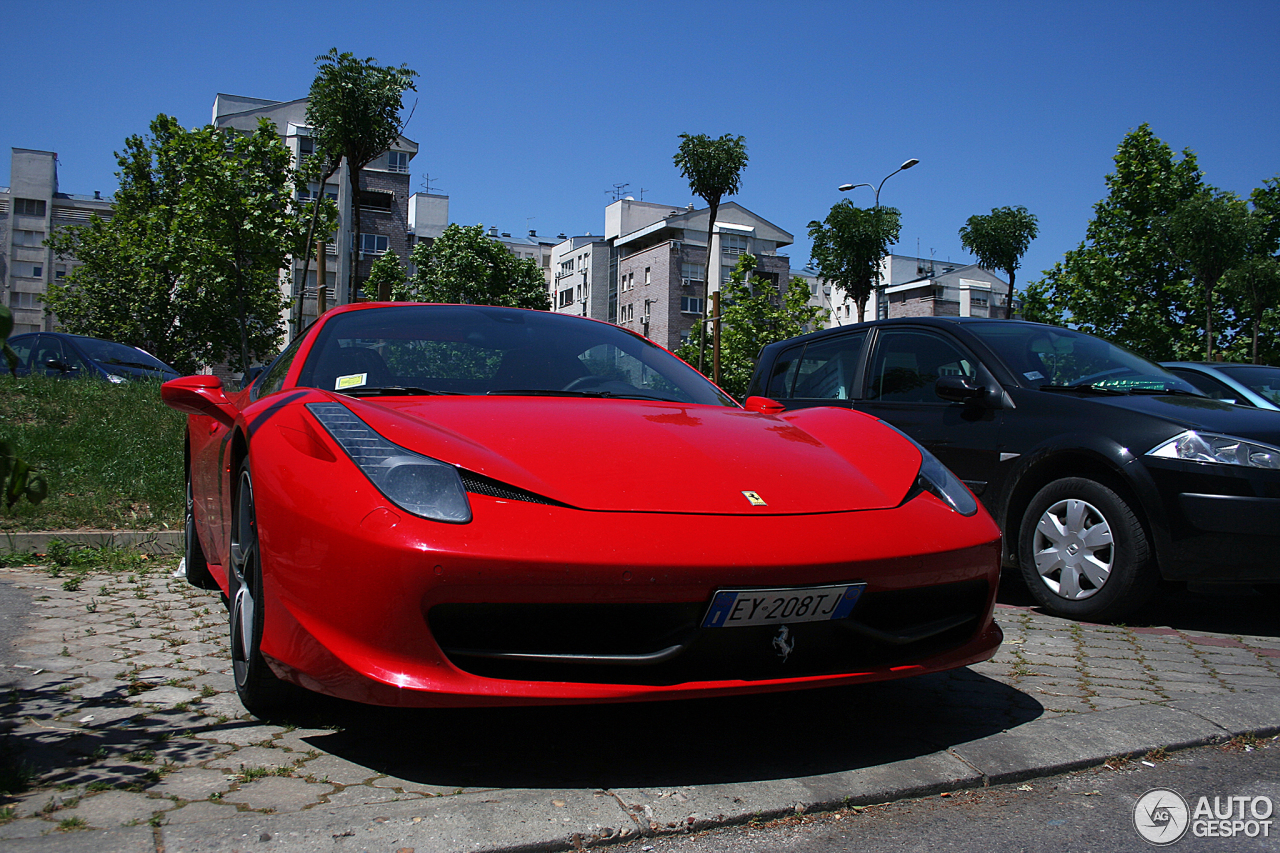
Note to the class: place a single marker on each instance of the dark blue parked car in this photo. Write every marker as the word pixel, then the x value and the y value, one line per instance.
pixel 73 356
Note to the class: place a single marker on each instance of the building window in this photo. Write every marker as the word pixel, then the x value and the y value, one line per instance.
pixel 28 206
pixel 566 298
pixel 627 313
pixel 27 238
pixel 59 271
pixel 690 305
pixel 647 278
pixel 397 161
pixel 37 271
pixel 691 272
pixel 373 200
pixel 373 244
pixel 733 244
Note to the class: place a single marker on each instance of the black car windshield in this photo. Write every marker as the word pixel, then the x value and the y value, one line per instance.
pixel 1056 358
pixel 109 353
pixel 1260 379
pixel 482 350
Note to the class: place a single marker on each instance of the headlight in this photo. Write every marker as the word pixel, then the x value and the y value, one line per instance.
pixel 116 378
pixel 1195 446
pixel 937 479
pixel 418 484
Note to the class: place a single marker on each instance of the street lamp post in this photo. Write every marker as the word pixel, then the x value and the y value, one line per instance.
pixel 844 188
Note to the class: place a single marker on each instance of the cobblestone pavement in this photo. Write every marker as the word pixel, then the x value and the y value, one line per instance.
pixel 120 711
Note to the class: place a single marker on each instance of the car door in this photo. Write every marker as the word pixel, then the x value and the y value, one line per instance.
pixel 823 372
pixel 51 359
pixel 903 366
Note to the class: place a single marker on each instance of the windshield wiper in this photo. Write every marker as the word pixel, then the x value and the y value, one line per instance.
pixel 1086 386
pixel 1178 391
pixel 547 392
pixel 137 364
pixel 395 391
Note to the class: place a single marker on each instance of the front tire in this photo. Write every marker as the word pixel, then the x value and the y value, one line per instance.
pixel 1084 553
pixel 261 691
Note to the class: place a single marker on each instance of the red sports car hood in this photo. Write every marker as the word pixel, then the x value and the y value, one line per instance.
pixel 641 456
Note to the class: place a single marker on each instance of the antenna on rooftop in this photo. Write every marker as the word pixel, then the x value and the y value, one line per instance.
pixel 426 184
pixel 619 191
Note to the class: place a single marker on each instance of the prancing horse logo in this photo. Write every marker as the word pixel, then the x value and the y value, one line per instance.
pixel 783 643
pixel 754 499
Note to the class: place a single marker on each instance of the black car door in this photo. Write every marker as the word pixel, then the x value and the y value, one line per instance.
pixel 904 366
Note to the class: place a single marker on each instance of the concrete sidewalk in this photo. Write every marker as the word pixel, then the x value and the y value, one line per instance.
pixel 119 707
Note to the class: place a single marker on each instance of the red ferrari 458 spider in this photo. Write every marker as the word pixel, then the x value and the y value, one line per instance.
pixel 452 505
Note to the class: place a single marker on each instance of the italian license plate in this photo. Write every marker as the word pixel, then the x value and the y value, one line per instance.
pixel 736 608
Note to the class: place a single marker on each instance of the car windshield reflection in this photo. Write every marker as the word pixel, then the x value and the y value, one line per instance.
pixel 1054 358
pixel 479 350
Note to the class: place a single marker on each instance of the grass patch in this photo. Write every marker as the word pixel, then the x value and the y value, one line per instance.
pixel 112 453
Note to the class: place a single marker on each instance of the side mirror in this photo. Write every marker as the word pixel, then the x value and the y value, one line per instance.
pixel 764 406
pixel 60 366
pixel 958 389
pixel 199 395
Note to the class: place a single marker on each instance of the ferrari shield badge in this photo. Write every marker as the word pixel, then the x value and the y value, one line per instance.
pixel 754 499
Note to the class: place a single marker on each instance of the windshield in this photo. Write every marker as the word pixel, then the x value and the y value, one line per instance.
pixel 475 350
pixel 1053 357
pixel 1264 381
pixel 109 353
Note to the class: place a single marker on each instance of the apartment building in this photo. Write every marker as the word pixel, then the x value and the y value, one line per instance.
pixel 383 202
pixel 31 207
pixel 923 287
pixel 647 272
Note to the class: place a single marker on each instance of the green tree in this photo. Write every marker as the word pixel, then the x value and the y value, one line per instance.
pixel 464 266
pixel 999 240
pixel 387 276
pixel 713 168
pixel 849 245
pixel 1125 282
pixel 354 112
pixel 188 266
pixel 753 314
pixel 1210 233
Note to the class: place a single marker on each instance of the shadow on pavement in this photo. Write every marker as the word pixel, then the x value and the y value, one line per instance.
pixel 739 739
pixel 1213 608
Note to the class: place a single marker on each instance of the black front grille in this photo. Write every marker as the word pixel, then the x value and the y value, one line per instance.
pixel 886 628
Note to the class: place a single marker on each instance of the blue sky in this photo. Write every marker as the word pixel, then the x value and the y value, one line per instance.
pixel 528 114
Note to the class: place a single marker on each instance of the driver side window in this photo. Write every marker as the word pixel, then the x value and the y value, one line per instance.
pixel 907 363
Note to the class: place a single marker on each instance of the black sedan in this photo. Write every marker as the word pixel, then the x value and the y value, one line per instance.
pixel 1106 472
pixel 74 356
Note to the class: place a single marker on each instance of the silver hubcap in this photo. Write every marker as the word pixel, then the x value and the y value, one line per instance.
pixel 244 563
pixel 1074 549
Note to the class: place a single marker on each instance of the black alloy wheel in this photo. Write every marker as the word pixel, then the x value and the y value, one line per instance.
pixel 261 691
pixel 1084 553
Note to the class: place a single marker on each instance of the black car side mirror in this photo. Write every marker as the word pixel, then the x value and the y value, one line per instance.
pixel 958 389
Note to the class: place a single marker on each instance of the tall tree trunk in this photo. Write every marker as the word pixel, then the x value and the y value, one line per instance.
pixel 714 205
pixel 1008 305
pixel 311 238
pixel 1208 322
pixel 353 180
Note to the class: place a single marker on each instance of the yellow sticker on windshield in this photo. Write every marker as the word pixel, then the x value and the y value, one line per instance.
pixel 355 380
